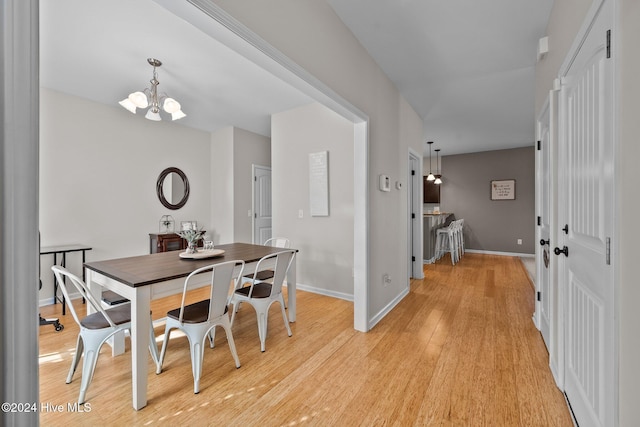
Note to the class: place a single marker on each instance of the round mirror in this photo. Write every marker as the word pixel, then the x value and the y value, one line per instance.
pixel 172 188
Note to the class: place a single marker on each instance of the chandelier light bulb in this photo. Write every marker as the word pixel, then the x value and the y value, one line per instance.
pixel 171 105
pixel 153 115
pixel 126 103
pixel 139 99
pixel 178 115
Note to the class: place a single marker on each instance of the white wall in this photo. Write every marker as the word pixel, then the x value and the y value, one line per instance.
pixel 248 149
pixel 325 260
pixel 222 196
pixel 98 172
pixel 312 35
pixel 233 152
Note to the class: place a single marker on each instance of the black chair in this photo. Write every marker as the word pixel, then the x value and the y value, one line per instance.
pixel 50 321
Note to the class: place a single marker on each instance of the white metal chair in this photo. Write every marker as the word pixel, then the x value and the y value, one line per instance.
pixel 261 295
pixel 95 328
pixel 261 276
pixel 198 320
pixel 446 241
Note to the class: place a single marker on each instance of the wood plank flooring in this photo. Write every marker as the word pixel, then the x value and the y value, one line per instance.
pixel 459 350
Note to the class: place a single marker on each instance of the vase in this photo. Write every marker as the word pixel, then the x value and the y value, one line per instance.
pixel 192 247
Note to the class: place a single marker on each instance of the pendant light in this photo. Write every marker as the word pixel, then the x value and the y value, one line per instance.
pixel 438 177
pixel 430 177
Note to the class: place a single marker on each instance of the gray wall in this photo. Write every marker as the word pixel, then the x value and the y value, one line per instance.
pixel 491 225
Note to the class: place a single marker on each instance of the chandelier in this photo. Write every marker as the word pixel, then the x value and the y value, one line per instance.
pixel 150 97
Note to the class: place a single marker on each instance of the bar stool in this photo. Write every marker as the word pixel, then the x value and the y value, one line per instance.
pixel 446 241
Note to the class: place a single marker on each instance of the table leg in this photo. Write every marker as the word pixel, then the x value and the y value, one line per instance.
pixel 140 309
pixel 55 282
pixel 64 264
pixel 291 291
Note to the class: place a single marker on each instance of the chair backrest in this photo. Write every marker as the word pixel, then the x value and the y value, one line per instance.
pixel 278 242
pixel 221 278
pixel 283 262
pixel 81 287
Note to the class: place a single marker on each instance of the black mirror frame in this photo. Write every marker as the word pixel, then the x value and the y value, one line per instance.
pixel 160 182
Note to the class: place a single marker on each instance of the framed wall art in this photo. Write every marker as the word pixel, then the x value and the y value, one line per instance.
pixel 504 189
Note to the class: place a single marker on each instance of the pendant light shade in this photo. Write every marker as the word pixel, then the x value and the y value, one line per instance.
pixel 430 177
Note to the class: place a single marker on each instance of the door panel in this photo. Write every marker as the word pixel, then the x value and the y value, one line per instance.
pixel 587 196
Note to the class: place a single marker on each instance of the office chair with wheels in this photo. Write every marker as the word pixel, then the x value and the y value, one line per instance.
pixel 50 321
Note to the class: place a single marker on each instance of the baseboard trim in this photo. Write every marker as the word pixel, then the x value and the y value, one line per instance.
pixel 518 254
pixel 385 310
pixel 325 292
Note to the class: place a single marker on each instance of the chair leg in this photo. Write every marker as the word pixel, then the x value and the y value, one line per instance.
pixel 76 358
pixel 212 337
pixel 262 328
pixel 452 251
pixel 153 347
pixel 91 353
pixel 284 315
pixel 165 343
pixel 232 344
pixel 197 358
pixel 234 310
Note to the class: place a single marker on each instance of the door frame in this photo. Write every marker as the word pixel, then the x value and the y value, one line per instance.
pixel 414 226
pixel 554 347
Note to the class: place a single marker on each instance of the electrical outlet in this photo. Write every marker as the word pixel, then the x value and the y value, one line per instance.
pixel 386 280
pixel 300 213
pixel 519 241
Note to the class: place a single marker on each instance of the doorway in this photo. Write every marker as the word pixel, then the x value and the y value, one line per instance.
pixel 261 208
pixel 415 216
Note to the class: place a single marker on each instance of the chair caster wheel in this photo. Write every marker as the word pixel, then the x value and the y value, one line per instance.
pixel 59 327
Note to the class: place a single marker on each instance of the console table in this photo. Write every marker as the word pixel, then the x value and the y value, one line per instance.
pixel 165 242
pixel 63 250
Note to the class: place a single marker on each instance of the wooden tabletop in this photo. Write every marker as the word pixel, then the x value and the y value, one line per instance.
pixel 148 269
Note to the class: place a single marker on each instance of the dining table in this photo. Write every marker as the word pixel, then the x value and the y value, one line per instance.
pixel 146 277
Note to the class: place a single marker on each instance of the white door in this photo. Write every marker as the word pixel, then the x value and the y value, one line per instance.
pixel 586 219
pixel 543 251
pixel 261 204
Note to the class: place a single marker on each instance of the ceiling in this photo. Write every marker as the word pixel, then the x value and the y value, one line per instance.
pixel 98 50
pixel 466 66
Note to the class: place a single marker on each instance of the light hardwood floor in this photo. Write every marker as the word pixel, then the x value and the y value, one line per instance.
pixel 459 350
